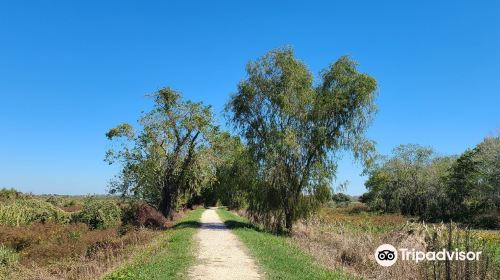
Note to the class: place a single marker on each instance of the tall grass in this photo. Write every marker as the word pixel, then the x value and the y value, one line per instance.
pixel 25 211
pixel 277 255
pixel 451 237
pixel 8 256
pixel 98 214
pixel 342 240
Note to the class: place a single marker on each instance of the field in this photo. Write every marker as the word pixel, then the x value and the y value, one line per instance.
pixel 79 237
pixel 68 237
pixel 347 237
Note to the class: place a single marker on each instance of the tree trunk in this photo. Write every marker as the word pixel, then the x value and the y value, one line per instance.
pixel 166 201
pixel 288 216
pixel 288 221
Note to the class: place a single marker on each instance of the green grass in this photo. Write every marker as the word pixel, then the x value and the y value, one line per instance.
pixel 168 257
pixel 276 255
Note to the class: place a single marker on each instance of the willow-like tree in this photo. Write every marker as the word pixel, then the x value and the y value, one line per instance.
pixel 295 129
pixel 169 159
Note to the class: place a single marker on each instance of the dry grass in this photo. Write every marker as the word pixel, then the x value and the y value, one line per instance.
pixel 341 239
pixel 52 251
pixel 71 251
pixel 42 237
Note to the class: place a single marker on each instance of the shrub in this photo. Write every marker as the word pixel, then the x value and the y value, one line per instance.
pixel 8 256
pixel 340 197
pixel 143 215
pixel 98 214
pixel 25 211
pixel 9 194
pixel 55 200
pixel 357 208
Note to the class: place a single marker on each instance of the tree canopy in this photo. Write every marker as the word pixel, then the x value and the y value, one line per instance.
pixel 169 158
pixel 292 129
pixel 295 128
pixel 416 181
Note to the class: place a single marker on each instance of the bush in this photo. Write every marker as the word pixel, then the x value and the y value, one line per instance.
pixel 6 194
pixel 98 214
pixel 340 197
pixel 25 211
pixel 357 208
pixel 55 200
pixel 339 200
pixel 8 256
pixel 143 215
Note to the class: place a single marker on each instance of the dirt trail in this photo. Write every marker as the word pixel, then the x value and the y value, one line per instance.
pixel 220 254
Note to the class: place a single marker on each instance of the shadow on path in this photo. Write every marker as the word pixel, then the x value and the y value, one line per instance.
pixel 188 224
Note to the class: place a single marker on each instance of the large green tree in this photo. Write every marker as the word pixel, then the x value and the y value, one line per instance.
pixel 474 185
pixel 412 181
pixel 415 181
pixel 169 159
pixel 295 128
pixel 235 172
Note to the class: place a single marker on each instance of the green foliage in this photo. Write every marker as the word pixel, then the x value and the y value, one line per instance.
pixel 414 181
pixel 9 194
pixel 25 211
pixel 56 201
pixel 99 214
pixel 8 256
pixel 340 199
pixel 169 160
pixel 122 130
pixel 235 173
pixel 294 130
pixel 474 185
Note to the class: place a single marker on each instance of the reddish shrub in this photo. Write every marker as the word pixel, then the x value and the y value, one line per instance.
pixel 149 217
pixel 143 215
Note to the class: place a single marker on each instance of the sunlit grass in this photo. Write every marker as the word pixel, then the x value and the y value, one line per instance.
pixel 168 257
pixel 276 255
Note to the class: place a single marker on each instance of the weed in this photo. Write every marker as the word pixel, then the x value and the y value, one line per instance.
pixel 25 211
pixel 99 214
pixel 8 256
pixel 339 239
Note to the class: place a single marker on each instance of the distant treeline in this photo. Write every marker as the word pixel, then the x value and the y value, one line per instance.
pixel 416 181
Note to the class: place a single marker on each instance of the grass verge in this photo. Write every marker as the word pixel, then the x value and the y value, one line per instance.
pixel 168 257
pixel 276 255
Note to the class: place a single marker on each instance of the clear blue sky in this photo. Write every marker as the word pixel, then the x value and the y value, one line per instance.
pixel 69 71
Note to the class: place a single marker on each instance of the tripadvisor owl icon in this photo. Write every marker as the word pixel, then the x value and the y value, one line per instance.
pixel 386 255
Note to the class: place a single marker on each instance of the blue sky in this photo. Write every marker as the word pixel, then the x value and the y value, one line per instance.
pixel 69 71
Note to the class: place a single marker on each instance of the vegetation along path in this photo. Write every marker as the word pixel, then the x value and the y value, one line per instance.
pixel 220 254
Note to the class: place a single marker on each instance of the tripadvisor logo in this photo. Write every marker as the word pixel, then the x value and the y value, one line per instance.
pixel 387 255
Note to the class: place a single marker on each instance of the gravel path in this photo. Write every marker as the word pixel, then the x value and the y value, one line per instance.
pixel 220 254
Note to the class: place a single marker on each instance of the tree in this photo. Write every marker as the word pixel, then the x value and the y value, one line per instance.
pixel 235 172
pixel 416 182
pixel 411 182
pixel 295 129
pixel 170 158
pixel 341 198
pixel 474 185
